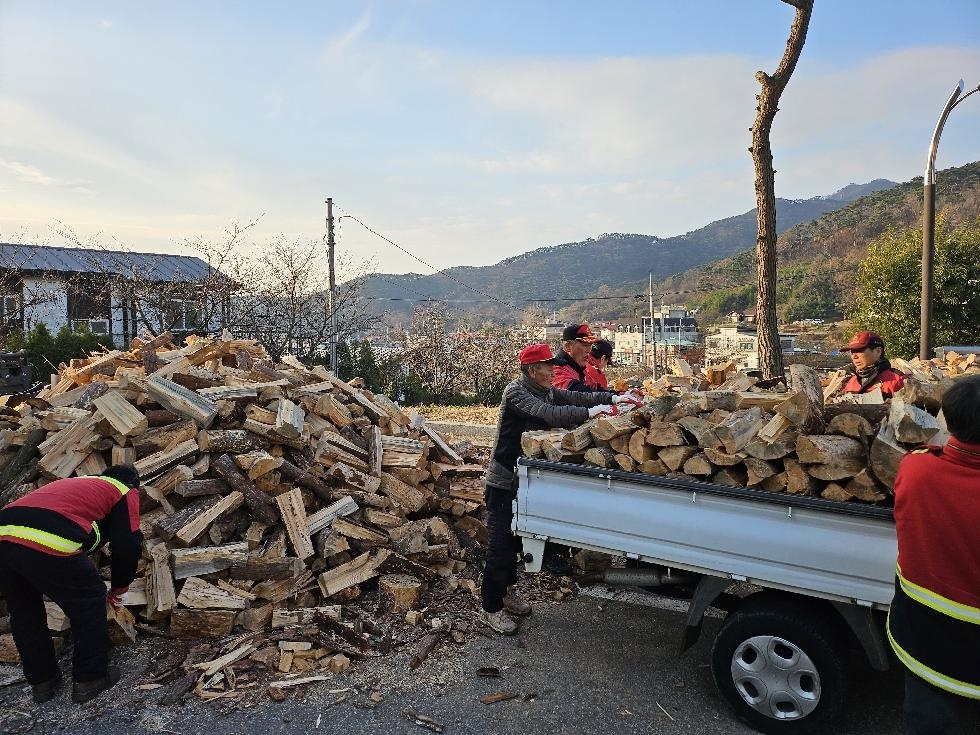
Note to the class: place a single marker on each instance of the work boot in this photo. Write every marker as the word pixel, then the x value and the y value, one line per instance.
pixel 516 605
pixel 500 621
pixel 83 691
pixel 45 691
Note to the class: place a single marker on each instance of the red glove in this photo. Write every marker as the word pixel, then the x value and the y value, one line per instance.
pixel 114 598
pixel 628 398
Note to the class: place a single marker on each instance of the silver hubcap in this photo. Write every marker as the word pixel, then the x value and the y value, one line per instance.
pixel 775 677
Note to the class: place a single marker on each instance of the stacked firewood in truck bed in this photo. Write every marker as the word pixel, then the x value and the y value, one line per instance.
pixel 807 439
pixel 273 495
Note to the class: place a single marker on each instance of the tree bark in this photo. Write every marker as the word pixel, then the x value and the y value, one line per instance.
pixel 770 354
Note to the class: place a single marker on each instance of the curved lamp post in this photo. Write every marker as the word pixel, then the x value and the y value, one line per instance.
pixel 929 225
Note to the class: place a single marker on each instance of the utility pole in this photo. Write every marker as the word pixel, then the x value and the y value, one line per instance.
pixel 333 289
pixel 653 334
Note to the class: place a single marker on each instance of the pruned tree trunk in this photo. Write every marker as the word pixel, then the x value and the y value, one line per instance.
pixel 770 354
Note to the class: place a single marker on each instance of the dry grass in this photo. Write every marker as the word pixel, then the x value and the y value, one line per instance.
pixel 461 414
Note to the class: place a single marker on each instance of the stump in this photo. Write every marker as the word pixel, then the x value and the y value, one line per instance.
pixel 399 592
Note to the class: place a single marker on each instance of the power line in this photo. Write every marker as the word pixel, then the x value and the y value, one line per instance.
pixel 426 264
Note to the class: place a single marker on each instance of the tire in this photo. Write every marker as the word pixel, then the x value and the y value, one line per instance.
pixel 779 666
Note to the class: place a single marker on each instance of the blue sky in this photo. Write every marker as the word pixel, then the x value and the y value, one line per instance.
pixel 466 132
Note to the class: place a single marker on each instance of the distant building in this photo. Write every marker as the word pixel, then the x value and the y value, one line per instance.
pixel 111 293
pixel 740 344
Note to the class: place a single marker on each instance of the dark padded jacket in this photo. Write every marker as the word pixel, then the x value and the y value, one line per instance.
pixel 527 406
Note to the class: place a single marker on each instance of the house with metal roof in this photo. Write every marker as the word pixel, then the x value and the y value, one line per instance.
pixel 115 293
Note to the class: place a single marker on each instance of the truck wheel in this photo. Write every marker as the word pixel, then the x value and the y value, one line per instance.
pixel 779 667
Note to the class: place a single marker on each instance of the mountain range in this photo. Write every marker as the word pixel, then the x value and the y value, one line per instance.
pixel 570 271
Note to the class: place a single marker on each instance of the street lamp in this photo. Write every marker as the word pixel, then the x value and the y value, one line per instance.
pixel 929 225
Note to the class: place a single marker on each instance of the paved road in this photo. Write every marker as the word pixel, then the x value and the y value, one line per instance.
pixel 585 666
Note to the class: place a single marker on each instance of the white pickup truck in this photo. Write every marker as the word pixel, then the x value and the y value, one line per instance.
pixel 823 571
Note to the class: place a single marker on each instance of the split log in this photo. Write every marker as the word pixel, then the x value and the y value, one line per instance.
pixel 262 508
pixel 841 469
pixel 770 450
pixel 665 434
pixel 201 560
pixel 804 379
pixel 675 457
pixel 578 439
pixel 798 480
pixel 197 488
pixel 625 462
pixel 723 459
pixel 853 425
pixel 355 572
pixel 653 467
pixel 262 568
pixel 353 478
pixel 699 465
pixel 835 491
pixel 197 593
pixel 257 464
pixel 639 449
pixel 739 428
pixel 119 412
pixel 828 449
pixel 775 483
pixel 885 455
pixel 603 457
pixel 294 518
pixel 160 439
pixel 316 522
pixel 863 486
pixel 410 498
pixel 231 441
pixel 731 476
pixel 154 464
pixel 399 592
pixel 289 419
pixel 910 424
pixel 181 401
pixel 187 623
pixel 609 427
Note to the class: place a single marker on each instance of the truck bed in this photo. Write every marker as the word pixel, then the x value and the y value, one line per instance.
pixel 837 551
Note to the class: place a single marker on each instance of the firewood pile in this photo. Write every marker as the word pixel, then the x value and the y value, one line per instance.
pixel 808 439
pixel 296 516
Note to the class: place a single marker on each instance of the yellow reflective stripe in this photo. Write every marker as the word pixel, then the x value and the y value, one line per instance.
pixel 120 486
pixel 98 536
pixel 948 683
pixel 42 538
pixel 937 602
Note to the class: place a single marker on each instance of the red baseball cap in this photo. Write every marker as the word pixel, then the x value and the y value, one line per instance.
pixel 863 340
pixel 536 353
pixel 581 332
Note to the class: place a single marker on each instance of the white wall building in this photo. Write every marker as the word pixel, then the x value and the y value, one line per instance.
pixel 741 345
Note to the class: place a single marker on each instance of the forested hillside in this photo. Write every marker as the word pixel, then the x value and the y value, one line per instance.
pixel 594 266
pixel 818 260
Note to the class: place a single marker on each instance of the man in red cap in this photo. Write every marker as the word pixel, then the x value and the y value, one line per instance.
pixel 529 403
pixel 872 371
pixel 570 362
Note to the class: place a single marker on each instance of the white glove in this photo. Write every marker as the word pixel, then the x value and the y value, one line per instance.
pixel 627 398
pixel 604 409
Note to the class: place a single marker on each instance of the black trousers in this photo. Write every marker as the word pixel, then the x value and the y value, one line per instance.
pixel 930 710
pixel 74 584
pixel 504 548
